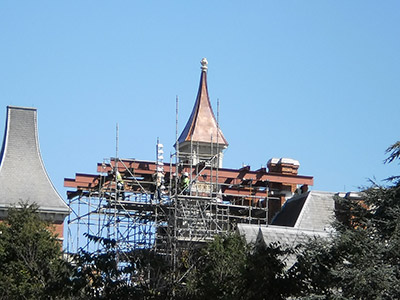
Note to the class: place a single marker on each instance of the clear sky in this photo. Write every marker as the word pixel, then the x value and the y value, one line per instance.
pixel 317 81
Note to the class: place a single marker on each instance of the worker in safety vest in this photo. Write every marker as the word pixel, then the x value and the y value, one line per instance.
pixel 120 185
pixel 184 183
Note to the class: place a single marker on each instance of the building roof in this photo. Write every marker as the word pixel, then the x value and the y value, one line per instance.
pixel 285 236
pixel 302 217
pixel 23 176
pixel 202 125
pixel 289 213
pixel 312 211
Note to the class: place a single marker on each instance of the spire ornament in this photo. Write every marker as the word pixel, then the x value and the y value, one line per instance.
pixel 204 64
pixel 202 129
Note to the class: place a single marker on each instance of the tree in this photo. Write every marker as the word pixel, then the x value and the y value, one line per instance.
pixel 229 268
pixel 265 276
pixel 31 260
pixel 394 153
pixel 217 269
pixel 113 273
pixel 361 260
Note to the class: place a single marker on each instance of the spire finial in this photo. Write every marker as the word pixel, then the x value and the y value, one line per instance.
pixel 204 64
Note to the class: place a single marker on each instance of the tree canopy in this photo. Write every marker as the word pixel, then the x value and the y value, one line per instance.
pixel 229 268
pixel 31 260
pixel 361 260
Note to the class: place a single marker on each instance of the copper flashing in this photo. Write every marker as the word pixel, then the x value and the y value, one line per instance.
pixel 202 125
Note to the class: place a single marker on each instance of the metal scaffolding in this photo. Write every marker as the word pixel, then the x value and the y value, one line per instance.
pixel 106 210
pixel 146 208
pixel 143 204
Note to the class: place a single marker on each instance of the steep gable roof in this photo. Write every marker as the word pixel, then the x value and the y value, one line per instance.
pixel 312 211
pixel 23 176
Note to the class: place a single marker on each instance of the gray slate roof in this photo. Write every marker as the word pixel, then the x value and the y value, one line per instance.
pixel 311 211
pixel 23 176
pixel 302 217
pixel 318 212
pixel 285 236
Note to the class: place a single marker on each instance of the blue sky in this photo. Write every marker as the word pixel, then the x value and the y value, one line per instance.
pixel 317 81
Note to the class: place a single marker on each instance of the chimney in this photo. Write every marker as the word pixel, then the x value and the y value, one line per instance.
pixel 286 166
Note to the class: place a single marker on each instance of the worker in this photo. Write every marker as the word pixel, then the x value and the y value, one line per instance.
pixel 120 185
pixel 174 185
pixel 159 184
pixel 304 188
pixel 184 184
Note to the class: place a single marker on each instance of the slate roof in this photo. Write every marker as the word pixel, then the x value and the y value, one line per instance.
pixel 23 176
pixel 301 218
pixel 290 211
pixel 202 125
pixel 285 236
pixel 312 211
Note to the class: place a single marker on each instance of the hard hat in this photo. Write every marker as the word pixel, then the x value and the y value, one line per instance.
pixel 186 174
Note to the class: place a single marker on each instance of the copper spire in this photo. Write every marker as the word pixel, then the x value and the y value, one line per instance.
pixel 202 125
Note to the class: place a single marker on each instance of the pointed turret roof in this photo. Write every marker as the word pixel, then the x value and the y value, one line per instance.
pixel 202 125
pixel 23 176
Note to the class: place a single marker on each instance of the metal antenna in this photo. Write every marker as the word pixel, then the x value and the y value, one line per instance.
pixel 116 140
pixel 176 135
pixel 218 156
pixel 116 188
pixel 174 245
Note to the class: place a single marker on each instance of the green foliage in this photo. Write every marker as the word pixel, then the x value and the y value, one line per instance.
pixel 30 258
pixel 361 260
pixel 217 274
pixel 116 274
pixel 265 274
pixel 394 153
pixel 228 268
